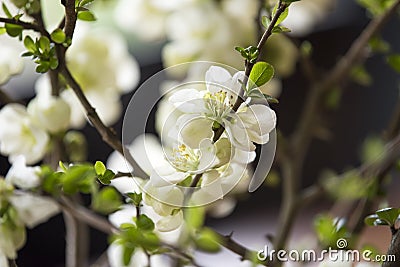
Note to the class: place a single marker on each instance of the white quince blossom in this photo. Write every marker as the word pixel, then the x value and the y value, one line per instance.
pixel 22 176
pixel 11 62
pixel 20 135
pixel 34 210
pixel 251 123
pixel 50 112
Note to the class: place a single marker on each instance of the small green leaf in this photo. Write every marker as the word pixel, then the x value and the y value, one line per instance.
pixel 53 63
pixel 2 30
pixel 107 177
pixel 58 36
pixel 62 166
pixel 44 44
pixel 127 254
pixel 86 16
pixel 360 75
pixel 100 168
pixel 144 223
pixel 6 11
pixel 283 16
pixel 394 62
pixel 208 241
pixel 194 217
pixel 378 45
pixel 136 198
pixel 13 30
pixel 270 99
pixel 106 201
pixel 389 215
pixel 261 73
pixel 280 29
pixel 30 44
pixel 265 21
pixel 370 220
pixel 43 67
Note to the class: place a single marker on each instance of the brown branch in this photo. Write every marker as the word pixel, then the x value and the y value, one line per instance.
pixel 106 133
pixel 85 215
pixel 242 251
pixel 70 18
pixel 26 26
pixel 394 250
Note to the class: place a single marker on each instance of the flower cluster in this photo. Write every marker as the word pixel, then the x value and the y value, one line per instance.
pixel 193 165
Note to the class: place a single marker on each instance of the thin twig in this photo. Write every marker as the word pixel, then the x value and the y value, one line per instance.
pixel 26 25
pixel 106 133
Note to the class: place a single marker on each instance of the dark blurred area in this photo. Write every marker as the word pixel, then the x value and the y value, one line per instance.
pixel 363 111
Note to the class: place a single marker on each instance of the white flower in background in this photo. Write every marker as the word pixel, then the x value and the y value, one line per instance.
pixel 195 38
pixel 20 209
pixel 20 136
pixel 51 113
pixel 22 176
pixel 10 62
pixel 149 14
pixel 306 14
pixel 34 210
pixel 100 62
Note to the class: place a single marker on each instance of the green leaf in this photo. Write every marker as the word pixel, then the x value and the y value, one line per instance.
pixel 127 254
pixel 100 168
pixel 30 44
pixel 360 75
pixel 394 62
pixel 370 220
pixel 44 44
pixel 53 63
pixel 85 2
pixel 6 11
pixel 261 73
pixel 107 200
pixel 389 215
pixel 13 30
pixel 107 177
pixel 378 45
pixel 2 30
pixel 43 67
pixel 136 198
pixel 194 217
pixel 270 99
pixel 144 223
pixel 79 178
pixel 86 16
pixel 208 241
pixel 265 21
pixel 280 29
pixel 58 36
pixel 62 166
pixel 282 17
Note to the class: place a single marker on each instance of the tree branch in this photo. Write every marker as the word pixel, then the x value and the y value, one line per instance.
pixel 106 133
pixel 26 26
pixel 394 249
